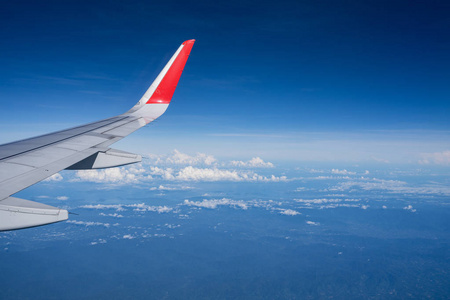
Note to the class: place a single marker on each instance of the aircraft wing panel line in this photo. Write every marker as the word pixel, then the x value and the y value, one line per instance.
pixel 23 180
pixel 11 149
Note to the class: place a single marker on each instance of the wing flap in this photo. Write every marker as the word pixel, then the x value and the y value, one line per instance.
pixel 108 159
pixel 16 213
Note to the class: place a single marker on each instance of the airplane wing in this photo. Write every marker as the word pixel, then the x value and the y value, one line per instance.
pixel 26 162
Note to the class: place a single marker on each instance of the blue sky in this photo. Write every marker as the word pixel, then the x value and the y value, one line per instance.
pixel 313 81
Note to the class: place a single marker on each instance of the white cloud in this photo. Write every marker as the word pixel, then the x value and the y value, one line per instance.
pixel 255 162
pixel 100 241
pixel 112 175
pixel 312 223
pixel 393 186
pixel 87 224
pixel 288 212
pixel 144 207
pixel 55 177
pixel 191 173
pixel 142 173
pixel 325 200
pixel 62 198
pixel 214 203
pixel 410 208
pixel 128 237
pixel 167 188
pixel 136 207
pixel 342 172
pixel 117 207
pixel 114 215
pixel 178 158
pixel 327 177
pixel 166 174
pixel 207 174
pixel 325 203
pixel 372 184
pixel 438 158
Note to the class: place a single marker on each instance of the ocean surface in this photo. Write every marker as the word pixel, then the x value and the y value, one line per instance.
pixel 314 232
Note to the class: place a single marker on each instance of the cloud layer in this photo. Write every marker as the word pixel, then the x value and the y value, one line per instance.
pixel 179 166
pixel 438 158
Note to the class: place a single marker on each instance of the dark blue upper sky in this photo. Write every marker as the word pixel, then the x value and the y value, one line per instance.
pixel 258 66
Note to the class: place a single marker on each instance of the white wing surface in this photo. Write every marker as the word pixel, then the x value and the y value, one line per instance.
pixel 26 162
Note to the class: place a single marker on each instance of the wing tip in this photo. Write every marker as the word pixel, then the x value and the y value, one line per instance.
pixel 189 42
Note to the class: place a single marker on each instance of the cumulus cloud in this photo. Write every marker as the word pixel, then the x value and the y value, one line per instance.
pixel 112 175
pixel 438 158
pixel 168 188
pixel 100 241
pixel 255 162
pixel 326 203
pixel 244 205
pixel 342 172
pixel 179 158
pixel 325 200
pixel 328 177
pixel 62 198
pixel 393 186
pixel 114 215
pixel 214 203
pixel 312 223
pixel 126 175
pixel 191 173
pixel 141 207
pixel 55 177
pixel 117 207
pixel 214 174
pixel 288 212
pixel 87 224
pixel 207 174
pixel 144 207
pixel 372 184
pixel 410 208
pixel 182 167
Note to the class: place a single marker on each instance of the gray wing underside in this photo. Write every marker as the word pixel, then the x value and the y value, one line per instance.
pixel 29 161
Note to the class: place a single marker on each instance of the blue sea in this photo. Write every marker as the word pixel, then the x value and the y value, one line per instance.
pixel 311 232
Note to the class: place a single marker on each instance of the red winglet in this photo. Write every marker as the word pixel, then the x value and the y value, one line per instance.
pixel 164 92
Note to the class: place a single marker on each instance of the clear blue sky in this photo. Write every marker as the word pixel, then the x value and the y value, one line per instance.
pixel 272 72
